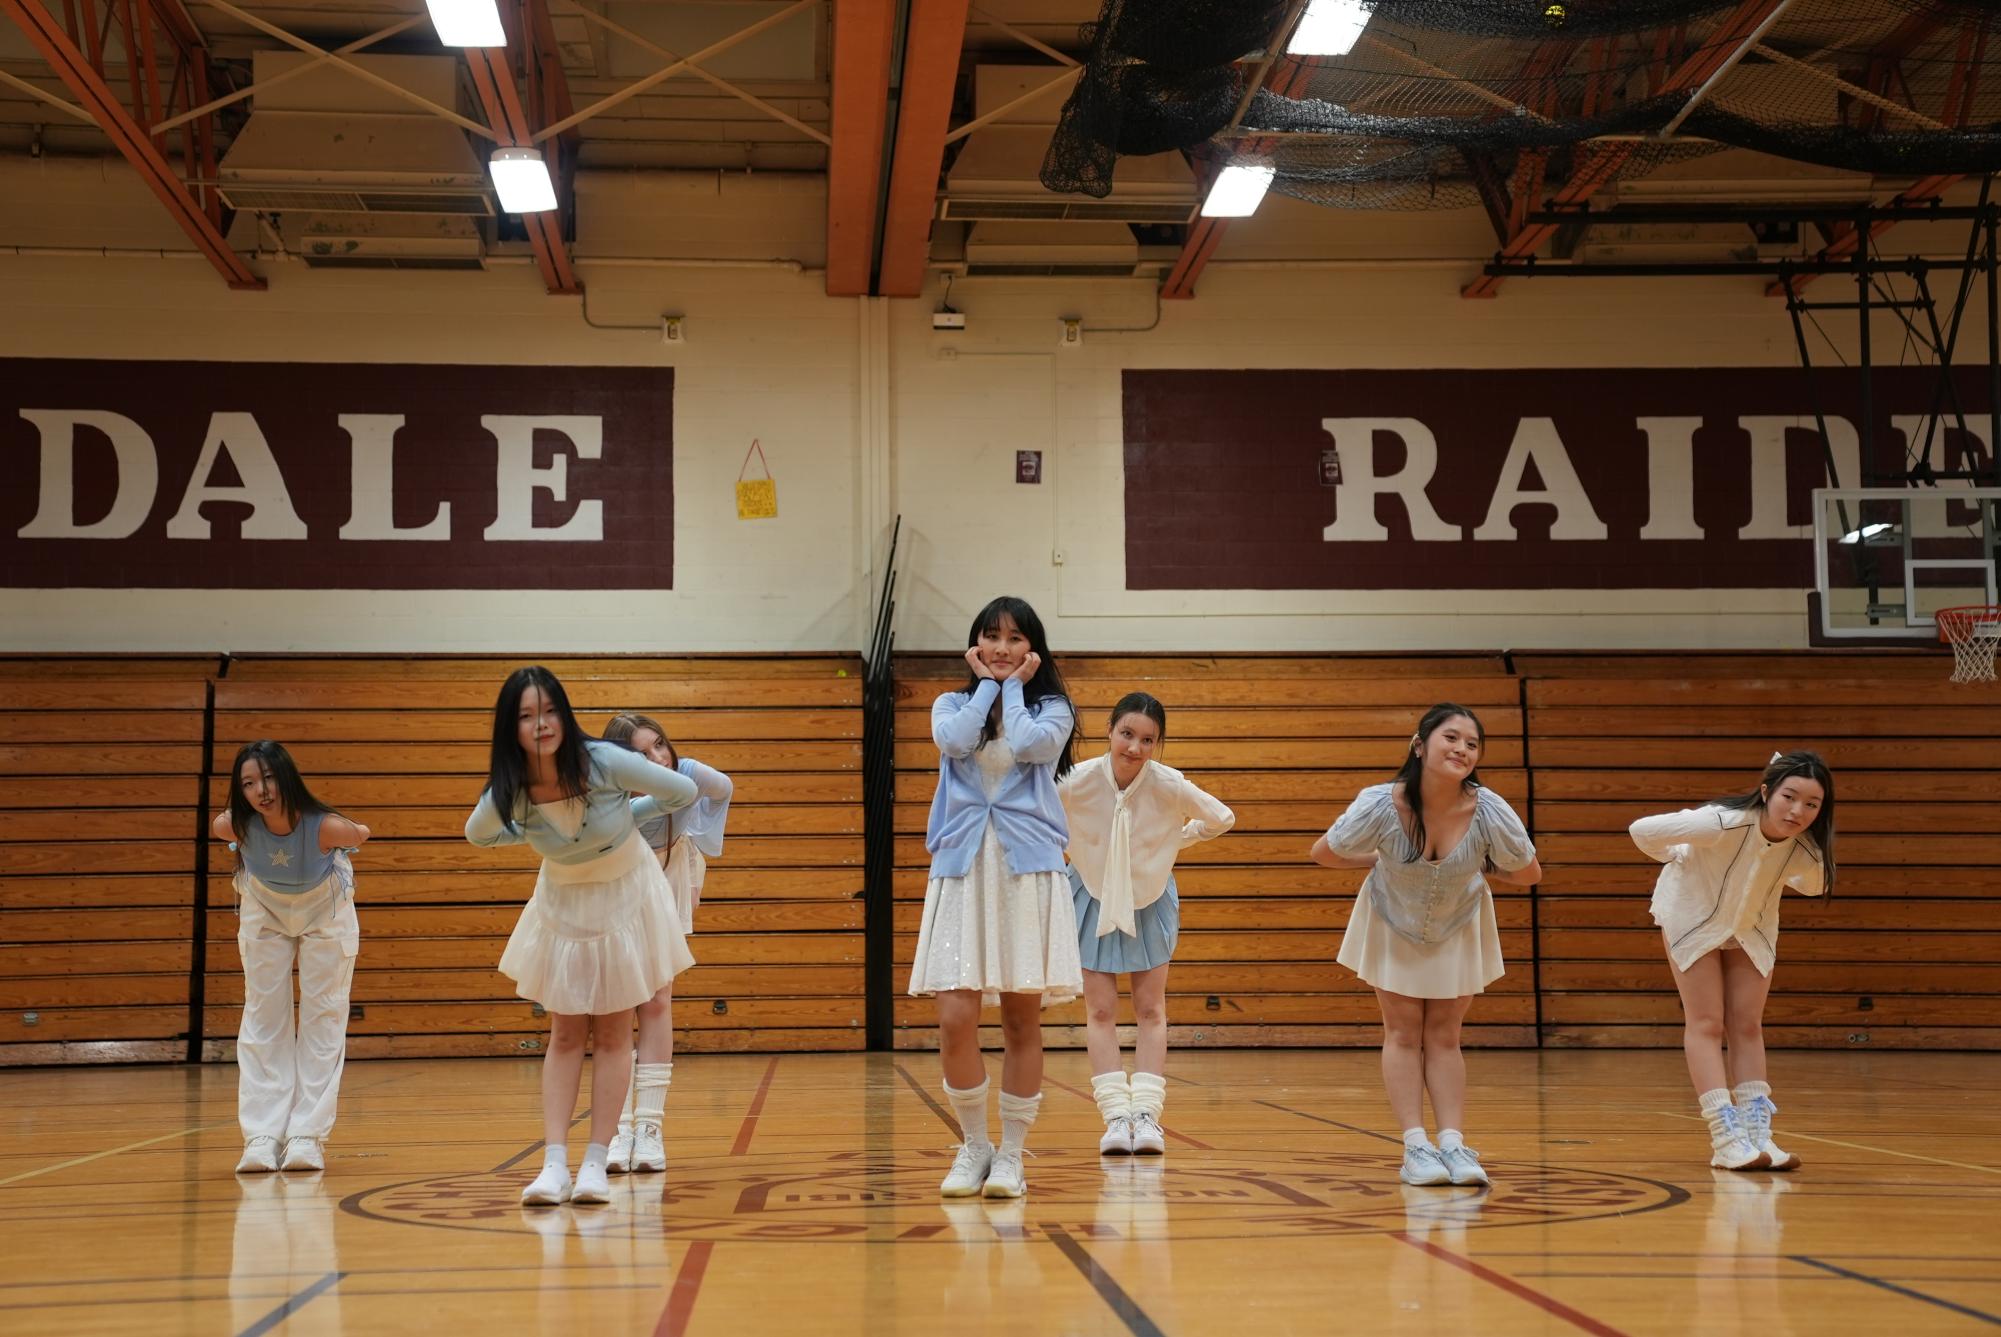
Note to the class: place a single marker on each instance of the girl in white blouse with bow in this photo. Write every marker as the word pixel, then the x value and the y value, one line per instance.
pixel 1717 902
pixel 1129 816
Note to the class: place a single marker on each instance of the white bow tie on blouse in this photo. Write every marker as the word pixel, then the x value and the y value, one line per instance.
pixel 1115 889
pixel 1161 808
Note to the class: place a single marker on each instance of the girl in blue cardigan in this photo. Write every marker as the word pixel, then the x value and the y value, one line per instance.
pixel 999 926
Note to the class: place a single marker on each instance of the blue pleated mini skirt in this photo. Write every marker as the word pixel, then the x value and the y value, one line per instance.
pixel 1118 953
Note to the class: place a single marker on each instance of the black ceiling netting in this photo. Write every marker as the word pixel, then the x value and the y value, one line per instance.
pixel 1441 94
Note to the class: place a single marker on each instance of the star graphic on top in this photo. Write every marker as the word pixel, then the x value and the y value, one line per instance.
pixel 281 859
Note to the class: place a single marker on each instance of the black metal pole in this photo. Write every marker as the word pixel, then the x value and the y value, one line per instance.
pixel 879 815
pixel 1993 350
pixel 1868 423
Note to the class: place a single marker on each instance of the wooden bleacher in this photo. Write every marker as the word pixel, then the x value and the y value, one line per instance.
pixel 114 764
pixel 1286 741
pixel 1907 952
pixel 99 800
pixel 402 745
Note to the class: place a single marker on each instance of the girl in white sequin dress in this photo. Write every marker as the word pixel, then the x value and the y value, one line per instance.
pixel 998 925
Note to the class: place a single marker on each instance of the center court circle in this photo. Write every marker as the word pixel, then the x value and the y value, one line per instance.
pixel 864 1197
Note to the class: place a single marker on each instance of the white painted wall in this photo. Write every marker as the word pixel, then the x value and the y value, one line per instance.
pixel 865 413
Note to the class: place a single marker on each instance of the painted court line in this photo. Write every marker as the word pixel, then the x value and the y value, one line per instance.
pixel 695 1263
pixel 1345 1127
pixel 1894 1288
pixel 292 1305
pixel 1548 1304
pixel 944 1115
pixel 1795 1136
pixel 1123 1305
pixel 743 1134
pixel 100 1155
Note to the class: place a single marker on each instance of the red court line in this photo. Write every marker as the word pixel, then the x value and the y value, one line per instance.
pixel 687 1285
pixel 1548 1304
pixel 695 1263
pixel 743 1134
pixel 1086 1095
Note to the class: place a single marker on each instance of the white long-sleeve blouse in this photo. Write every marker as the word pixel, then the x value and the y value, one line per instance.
pixel 1723 880
pixel 1124 842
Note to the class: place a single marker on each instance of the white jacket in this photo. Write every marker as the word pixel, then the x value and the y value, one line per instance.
pixel 1123 844
pixel 1723 880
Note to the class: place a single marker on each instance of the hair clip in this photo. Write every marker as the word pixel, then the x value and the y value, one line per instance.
pixel 1775 758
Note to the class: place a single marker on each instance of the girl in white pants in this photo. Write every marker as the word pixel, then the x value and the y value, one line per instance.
pixel 295 889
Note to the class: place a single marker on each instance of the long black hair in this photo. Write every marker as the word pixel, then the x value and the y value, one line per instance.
pixel 292 792
pixel 1411 775
pixel 1048 680
pixel 1801 765
pixel 507 767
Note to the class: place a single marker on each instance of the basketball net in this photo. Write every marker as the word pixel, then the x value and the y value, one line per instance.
pixel 1974 633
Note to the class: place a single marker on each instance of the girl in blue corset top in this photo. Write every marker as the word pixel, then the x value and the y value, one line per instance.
pixel 1423 933
pixel 599 936
pixel 295 902
pixel 998 925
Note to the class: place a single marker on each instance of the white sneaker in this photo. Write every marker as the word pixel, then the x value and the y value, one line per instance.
pixel 620 1160
pixel 260 1156
pixel 1118 1138
pixel 304 1153
pixel 1463 1163
pixel 649 1155
pixel 1756 1116
pixel 592 1184
pixel 550 1188
pixel 1147 1137
pixel 1729 1149
pixel 1005 1179
pixel 1423 1165
pixel 969 1170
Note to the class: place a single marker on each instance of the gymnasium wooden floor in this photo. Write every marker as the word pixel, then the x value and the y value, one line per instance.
pixel 801 1198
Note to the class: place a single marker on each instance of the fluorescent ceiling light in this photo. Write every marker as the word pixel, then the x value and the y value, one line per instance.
pixel 467 22
pixel 1867 532
pixel 1237 191
pixel 521 179
pixel 1330 28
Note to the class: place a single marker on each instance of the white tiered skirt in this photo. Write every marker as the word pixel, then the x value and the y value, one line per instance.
pixel 597 937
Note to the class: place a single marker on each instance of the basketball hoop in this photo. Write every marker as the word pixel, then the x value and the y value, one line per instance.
pixel 1974 631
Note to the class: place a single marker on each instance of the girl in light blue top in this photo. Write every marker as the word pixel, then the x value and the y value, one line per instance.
pixel 295 902
pixel 1423 933
pixel 684 841
pixel 998 923
pixel 599 936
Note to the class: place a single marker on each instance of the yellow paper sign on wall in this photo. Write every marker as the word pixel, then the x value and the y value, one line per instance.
pixel 756 498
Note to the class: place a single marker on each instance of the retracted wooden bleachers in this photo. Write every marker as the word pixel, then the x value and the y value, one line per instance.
pixel 1286 742
pixel 109 774
pixel 99 800
pixel 402 744
pixel 1907 952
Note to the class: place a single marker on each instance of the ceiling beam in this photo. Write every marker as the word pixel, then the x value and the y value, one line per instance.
pixel 73 67
pixel 1730 39
pixel 1288 78
pixel 864 34
pixel 931 48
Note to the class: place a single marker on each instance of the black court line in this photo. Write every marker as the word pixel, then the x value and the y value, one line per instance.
pixel 1123 1305
pixel 533 1147
pixel 1894 1288
pixel 943 1114
pixel 1346 1127
pixel 291 1306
